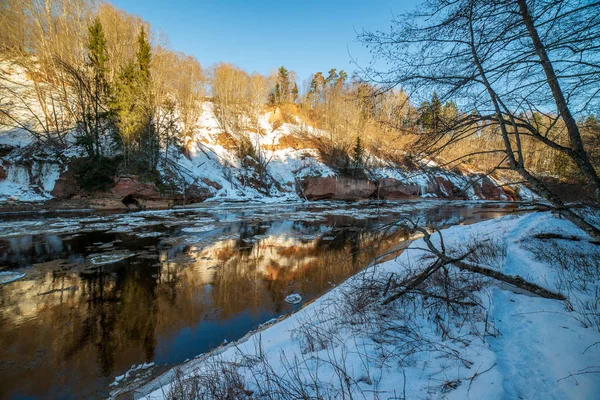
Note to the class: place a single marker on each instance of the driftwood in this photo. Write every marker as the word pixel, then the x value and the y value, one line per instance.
pixel 443 259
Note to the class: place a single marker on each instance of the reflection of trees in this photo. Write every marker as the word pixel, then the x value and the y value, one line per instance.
pixel 121 312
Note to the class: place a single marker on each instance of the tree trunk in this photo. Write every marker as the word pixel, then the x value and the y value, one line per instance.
pixel 579 156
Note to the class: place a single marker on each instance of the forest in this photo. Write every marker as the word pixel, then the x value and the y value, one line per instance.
pixel 106 79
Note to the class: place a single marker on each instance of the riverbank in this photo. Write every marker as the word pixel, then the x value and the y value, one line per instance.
pixel 488 341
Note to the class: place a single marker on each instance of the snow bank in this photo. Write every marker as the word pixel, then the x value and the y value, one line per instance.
pixel 10 276
pixel 540 349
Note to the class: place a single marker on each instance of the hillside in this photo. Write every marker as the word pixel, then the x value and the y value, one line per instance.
pixel 286 166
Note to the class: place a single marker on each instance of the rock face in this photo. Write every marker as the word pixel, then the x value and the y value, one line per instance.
pixel 212 184
pixel 447 189
pixel 3 173
pixel 196 194
pixel 66 185
pixel 319 188
pixel 489 190
pixel 128 186
pixel 65 188
pixel 393 189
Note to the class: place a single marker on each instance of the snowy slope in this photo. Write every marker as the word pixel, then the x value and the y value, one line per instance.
pixel 209 160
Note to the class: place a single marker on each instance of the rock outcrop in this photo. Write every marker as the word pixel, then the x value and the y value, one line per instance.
pixel 3 173
pixel 331 188
pixel 323 188
pixel 65 188
pixel 393 189
pixel 128 185
pixel 197 194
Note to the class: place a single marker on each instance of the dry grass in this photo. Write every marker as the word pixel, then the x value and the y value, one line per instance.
pixel 576 263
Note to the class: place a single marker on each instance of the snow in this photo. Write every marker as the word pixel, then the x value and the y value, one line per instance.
pixel 131 371
pixel 541 348
pixel 109 258
pixel 198 229
pixel 293 298
pixel 10 276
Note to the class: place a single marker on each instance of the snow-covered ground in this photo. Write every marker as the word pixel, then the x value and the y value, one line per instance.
pixel 498 343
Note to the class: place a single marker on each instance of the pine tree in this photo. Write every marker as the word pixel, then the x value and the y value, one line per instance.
pixel 143 54
pixel 436 112
pixel 93 116
pixel 134 102
pixel 276 94
pixel 283 80
pixel 317 85
pixel 97 53
pixel 430 113
pixel 358 154
pixel 341 80
pixel 333 76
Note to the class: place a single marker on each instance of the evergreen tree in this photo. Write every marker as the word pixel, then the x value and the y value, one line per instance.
pixel 128 109
pixel 283 80
pixel 315 91
pixel 430 113
pixel 276 95
pixel 341 80
pixel 97 53
pixel 436 112
pixel 144 55
pixel 332 78
pixel 357 154
pixel 134 102
pixel 92 93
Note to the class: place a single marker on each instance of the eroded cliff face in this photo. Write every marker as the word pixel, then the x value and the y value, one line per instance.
pixel 442 185
pixel 208 168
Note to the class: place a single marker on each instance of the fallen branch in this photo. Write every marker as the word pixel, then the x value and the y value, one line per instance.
pixel 443 259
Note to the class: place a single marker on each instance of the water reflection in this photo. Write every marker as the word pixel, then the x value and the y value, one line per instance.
pixel 184 282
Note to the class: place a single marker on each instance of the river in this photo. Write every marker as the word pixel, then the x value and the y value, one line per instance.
pixel 103 292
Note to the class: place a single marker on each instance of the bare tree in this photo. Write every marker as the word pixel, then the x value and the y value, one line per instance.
pixel 490 57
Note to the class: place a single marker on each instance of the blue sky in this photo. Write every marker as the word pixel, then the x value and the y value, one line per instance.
pixel 304 36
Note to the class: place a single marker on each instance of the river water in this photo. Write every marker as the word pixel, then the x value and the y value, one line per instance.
pixel 104 292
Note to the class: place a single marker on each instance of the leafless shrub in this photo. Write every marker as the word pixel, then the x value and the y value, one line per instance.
pixel 218 380
pixel 577 267
pixel 490 251
pixel 314 336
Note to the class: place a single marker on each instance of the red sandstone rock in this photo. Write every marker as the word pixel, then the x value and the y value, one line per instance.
pixel 393 189
pixel 354 189
pixel 489 189
pixel 212 184
pixel 129 186
pixel 65 188
pixel 196 194
pixel 447 189
pixel 319 188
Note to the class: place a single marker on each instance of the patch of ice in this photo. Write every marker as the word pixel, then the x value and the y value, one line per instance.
pixel 293 298
pixel 9 276
pixel 148 234
pixel 134 368
pixel 109 258
pixel 198 229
